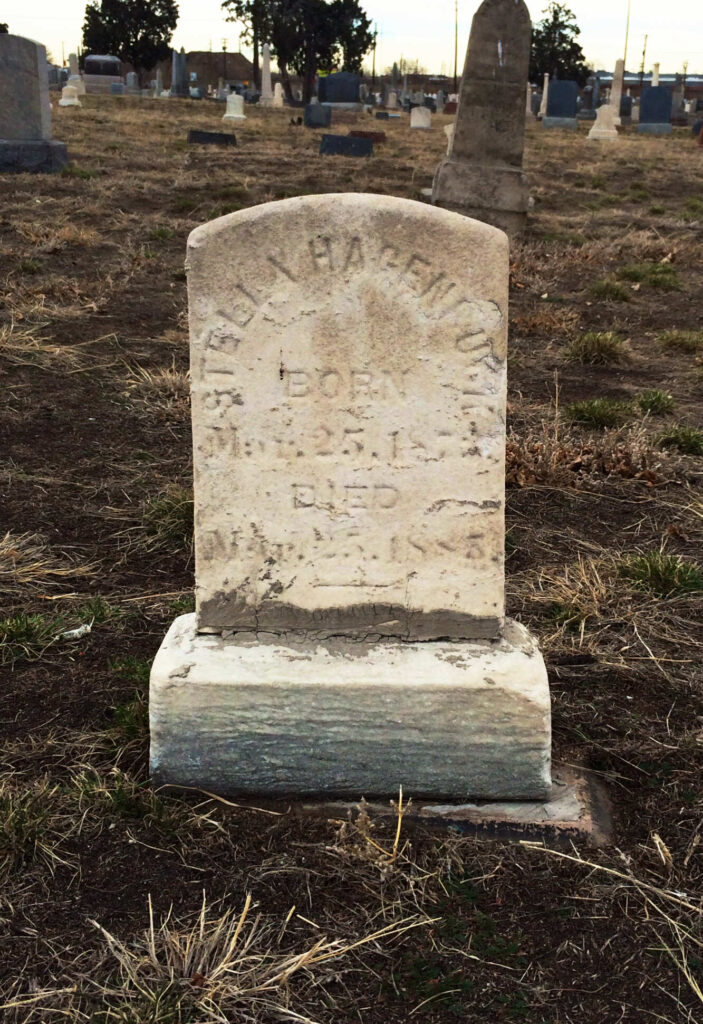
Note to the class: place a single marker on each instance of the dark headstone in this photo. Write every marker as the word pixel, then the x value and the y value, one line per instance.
pixel 655 107
pixel 317 116
pixel 342 87
pixel 450 107
pixel 117 89
pixel 375 137
pixel 626 106
pixel 696 127
pixel 382 115
pixel 345 145
pixel 102 64
pixel 179 74
pixel 200 138
pixel 561 98
pixel 431 103
pixel 536 103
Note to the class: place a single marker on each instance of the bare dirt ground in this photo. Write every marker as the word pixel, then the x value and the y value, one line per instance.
pixel 121 905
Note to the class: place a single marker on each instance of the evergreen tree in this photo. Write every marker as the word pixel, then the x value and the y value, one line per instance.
pixel 555 49
pixel 137 31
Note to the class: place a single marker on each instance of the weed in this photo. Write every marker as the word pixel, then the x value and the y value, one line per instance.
pixel 26 637
pixel 167 521
pixel 656 275
pixel 186 604
pixel 184 204
pixel 657 211
pixel 131 720
pixel 689 342
pixel 74 171
pixel 638 192
pixel 29 266
pixel 693 209
pixel 160 233
pixel 656 402
pixel 27 564
pixel 688 440
pixel 598 181
pixel 134 669
pixel 597 348
pixel 607 289
pixel 598 412
pixel 31 828
pixel 662 574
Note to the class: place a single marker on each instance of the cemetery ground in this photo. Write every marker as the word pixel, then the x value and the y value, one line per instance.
pixel 119 904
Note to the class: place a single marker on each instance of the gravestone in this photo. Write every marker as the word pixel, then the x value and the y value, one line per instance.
pixel 449 132
pixel 421 117
pixel 317 116
pixel 158 83
pixel 378 138
pixel 266 97
pixel 348 393
pixel 616 89
pixel 25 110
pixel 74 77
pixel 655 75
pixel 483 177
pixel 450 107
pixel 382 115
pixel 345 145
pixel 392 103
pixel 625 110
pixel 655 111
pixel 604 127
pixel 117 89
pixel 69 97
pixel 235 108
pixel 545 97
pixel 440 101
pixel 528 100
pixel 278 97
pixel 132 82
pixel 561 104
pixel 179 74
pixel 589 100
pixel 196 137
pixel 341 88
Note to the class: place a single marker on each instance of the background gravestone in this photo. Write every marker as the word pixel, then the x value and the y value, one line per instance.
pixel 655 111
pixel 25 110
pixel 317 116
pixel 348 396
pixel 345 145
pixel 482 176
pixel 561 104
pixel 342 87
pixel 179 74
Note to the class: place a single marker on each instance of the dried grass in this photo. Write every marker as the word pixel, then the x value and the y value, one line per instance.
pixel 28 565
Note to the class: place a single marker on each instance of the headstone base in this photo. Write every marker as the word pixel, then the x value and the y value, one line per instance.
pixel 577 810
pixel 34 157
pixel 270 714
pixel 497 195
pixel 560 122
pixel 654 129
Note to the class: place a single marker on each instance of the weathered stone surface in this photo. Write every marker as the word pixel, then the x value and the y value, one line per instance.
pixel 348 384
pixel 317 116
pixel 279 715
pixel 17 157
pixel 545 97
pixel 604 125
pixel 266 97
pixel 616 90
pixel 25 111
pixel 483 177
pixel 235 108
pixel 278 97
pixel 345 145
pixel 421 117
pixel 69 97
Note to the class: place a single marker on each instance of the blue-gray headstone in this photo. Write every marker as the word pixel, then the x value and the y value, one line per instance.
pixel 561 98
pixel 345 145
pixel 317 116
pixel 626 106
pixel 655 106
pixel 117 88
pixel 342 87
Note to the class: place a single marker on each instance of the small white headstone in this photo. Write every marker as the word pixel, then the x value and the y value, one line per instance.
pixel 420 117
pixel 69 97
pixel 278 98
pixel 392 100
pixel 604 124
pixel 235 108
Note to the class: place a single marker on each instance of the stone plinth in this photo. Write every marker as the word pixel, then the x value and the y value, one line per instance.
pixel 570 123
pixel 276 715
pixel 482 176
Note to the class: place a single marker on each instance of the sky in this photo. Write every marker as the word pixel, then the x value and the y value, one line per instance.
pixel 415 29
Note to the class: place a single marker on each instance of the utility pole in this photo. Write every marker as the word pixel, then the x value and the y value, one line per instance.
pixel 456 43
pixel 627 34
pixel 373 66
pixel 644 51
pixel 685 69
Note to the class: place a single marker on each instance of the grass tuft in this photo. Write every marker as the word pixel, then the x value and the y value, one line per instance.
pixel 689 342
pixel 662 574
pixel 598 412
pixel 167 521
pixel 613 290
pixel 656 275
pixel 688 440
pixel 656 402
pixel 597 348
